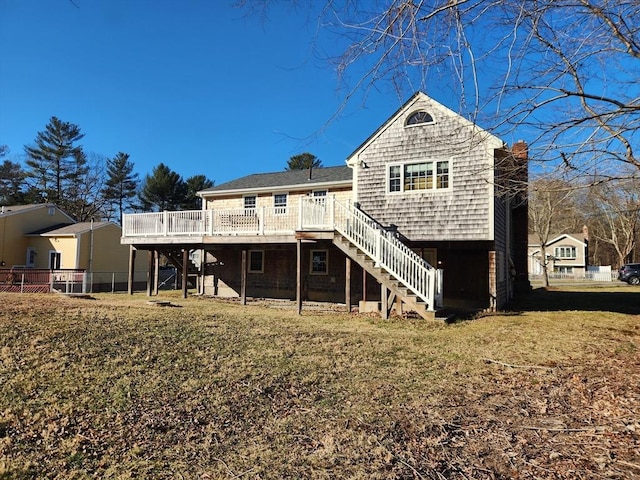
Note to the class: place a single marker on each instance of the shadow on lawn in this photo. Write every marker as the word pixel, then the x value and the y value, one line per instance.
pixel 553 299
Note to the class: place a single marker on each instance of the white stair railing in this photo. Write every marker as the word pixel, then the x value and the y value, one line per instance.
pixel 384 248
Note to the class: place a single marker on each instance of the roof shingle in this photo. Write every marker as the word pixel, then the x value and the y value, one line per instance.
pixel 340 174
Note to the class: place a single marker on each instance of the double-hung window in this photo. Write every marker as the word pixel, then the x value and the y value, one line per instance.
pixel 320 196
pixel 418 176
pixel 250 204
pixel 319 262
pixel 55 260
pixel 280 203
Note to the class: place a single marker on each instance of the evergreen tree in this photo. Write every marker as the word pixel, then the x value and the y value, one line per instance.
pixel 303 161
pixel 11 183
pixel 193 186
pixel 12 178
pixel 56 163
pixel 164 189
pixel 121 185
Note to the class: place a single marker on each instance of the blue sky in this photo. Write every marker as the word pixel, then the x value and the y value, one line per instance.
pixel 194 84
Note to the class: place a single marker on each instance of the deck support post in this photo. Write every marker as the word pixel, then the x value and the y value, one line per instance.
pixel 156 271
pixel 132 266
pixel 299 275
pixel 150 273
pixel 364 285
pixel 347 283
pixel 398 307
pixel 185 271
pixel 201 272
pixel 243 279
pixel 384 302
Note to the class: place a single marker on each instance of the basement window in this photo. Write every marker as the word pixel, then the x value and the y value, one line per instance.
pixel 256 261
pixel 319 262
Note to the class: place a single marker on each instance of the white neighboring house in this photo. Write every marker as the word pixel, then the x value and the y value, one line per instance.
pixel 567 253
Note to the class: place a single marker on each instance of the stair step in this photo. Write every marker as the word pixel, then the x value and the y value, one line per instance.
pixel 383 276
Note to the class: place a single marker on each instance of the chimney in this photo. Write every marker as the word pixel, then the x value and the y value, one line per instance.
pixel 585 232
pixel 520 150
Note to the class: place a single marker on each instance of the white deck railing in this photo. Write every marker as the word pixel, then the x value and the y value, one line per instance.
pixel 389 252
pixel 258 221
pixel 312 213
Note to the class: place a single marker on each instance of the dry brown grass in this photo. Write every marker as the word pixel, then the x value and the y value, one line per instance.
pixel 117 388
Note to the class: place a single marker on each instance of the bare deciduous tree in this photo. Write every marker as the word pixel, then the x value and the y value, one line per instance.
pixel 550 204
pixel 563 73
pixel 84 200
pixel 615 213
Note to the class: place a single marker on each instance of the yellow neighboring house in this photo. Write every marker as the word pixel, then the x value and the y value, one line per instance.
pixel 41 236
pixel 16 222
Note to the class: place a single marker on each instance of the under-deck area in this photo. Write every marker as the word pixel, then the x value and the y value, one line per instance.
pixel 303 252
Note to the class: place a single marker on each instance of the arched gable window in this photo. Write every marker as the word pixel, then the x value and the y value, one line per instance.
pixel 419 117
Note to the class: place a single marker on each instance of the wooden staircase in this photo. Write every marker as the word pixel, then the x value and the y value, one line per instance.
pixel 405 275
pixel 396 289
pixel 175 259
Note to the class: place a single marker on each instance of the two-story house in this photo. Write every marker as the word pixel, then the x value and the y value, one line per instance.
pixel 44 237
pixel 566 253
pixel 16 222
pixel 423 215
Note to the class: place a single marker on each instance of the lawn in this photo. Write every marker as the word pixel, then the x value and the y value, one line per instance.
pixel 114 387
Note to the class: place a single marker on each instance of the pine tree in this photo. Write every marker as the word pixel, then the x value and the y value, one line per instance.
pixel 164 189
pixel 193 186
pixel 12 178
pixel 121 185
pixel 11 183
pixel 55 162
pixel 303 161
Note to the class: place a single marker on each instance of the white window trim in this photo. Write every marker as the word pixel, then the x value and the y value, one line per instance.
pixel 557 249
pixel 421 124
pixel 414 125
pixel 59 256
pixel 311 272
pixel 244 202
pixel 261 265
pixel 426 190
pixel 276 209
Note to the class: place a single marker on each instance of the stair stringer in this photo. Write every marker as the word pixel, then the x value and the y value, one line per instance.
pixel 175 258
pixel 396 288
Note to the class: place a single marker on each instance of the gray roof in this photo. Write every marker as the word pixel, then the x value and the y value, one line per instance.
pixel 288 178
pixel 69 230
pixel 14 209
pixel 534 240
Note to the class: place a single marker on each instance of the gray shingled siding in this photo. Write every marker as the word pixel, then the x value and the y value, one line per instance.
pixel 461 213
